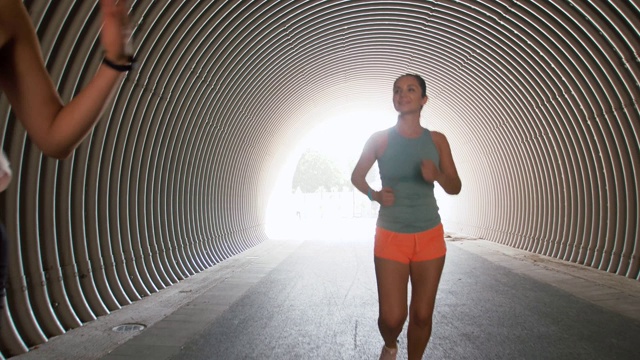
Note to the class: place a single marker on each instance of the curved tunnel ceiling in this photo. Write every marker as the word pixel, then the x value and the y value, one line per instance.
pixel 539 101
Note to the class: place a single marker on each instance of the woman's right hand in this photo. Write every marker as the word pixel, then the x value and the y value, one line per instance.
pixel 385 196
pixel 115 33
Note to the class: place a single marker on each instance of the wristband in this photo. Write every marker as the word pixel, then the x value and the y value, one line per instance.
pixel 119 67
pixel 369 194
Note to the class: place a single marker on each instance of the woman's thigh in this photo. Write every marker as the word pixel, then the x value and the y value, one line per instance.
pixel 392 279
pixel 425 279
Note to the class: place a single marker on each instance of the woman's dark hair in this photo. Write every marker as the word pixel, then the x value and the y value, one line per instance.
pixel 421 82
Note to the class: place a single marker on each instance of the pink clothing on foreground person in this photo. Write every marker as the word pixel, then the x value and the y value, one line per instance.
pixel 5 172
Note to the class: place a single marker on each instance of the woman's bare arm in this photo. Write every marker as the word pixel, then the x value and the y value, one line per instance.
pixel 364 164
pixel 374 146
pixel 54 127
pixel 448 177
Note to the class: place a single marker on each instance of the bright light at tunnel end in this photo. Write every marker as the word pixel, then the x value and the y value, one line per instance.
pixel 340 138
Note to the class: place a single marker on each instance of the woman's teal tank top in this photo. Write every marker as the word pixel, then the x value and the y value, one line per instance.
pixel 415 208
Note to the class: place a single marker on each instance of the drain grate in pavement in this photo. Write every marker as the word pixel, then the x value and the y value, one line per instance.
pixel 128 328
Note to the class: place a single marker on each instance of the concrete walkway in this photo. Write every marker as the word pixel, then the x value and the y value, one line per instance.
pixel 315 298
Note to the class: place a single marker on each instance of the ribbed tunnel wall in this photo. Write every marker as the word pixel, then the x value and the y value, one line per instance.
pixel 539 100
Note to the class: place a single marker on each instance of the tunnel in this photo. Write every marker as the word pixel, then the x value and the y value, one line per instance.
pixel 539 101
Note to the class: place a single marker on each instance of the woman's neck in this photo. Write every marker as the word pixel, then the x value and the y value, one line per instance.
pixel 409 125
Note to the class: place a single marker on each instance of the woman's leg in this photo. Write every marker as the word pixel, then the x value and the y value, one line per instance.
pixel 425 277
pixel 392 278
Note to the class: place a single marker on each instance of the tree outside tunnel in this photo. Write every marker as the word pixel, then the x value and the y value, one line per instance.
pixel 317 172
pixel 322 188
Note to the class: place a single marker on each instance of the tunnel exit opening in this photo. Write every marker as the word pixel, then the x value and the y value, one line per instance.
pixel 313 196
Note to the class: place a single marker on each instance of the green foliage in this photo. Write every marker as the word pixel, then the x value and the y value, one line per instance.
pixel 316 171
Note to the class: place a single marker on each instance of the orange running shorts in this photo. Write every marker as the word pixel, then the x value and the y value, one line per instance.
pixel 407 248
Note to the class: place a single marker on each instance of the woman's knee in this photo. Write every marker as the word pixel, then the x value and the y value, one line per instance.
pixel 392 320
pixel 422 319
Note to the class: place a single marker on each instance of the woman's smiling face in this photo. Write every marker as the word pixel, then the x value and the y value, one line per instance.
pixel 407 95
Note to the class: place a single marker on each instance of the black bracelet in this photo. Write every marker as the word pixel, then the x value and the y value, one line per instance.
pixel 118 67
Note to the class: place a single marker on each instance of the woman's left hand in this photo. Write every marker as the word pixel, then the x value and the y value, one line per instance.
pixel 430 172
